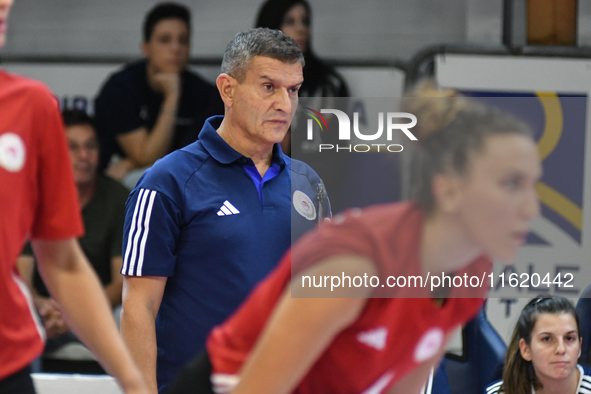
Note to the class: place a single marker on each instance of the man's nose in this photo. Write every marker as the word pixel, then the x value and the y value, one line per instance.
pixel 283 101
pixel 176 45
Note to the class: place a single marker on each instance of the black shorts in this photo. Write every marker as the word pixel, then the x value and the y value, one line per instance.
pixel 18 383
pixel 193 378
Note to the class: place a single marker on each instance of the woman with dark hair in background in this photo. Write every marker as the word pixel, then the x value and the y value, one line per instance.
pixel 543 352
pixel 293 17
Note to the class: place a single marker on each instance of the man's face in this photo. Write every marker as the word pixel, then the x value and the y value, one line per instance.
pixel 168 47
pixel 84 153
pixel 4 8
pixel 265 101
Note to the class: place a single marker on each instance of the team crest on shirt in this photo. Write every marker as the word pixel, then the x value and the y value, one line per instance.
pixel 429 344
pixel 303 205
pixel 12 152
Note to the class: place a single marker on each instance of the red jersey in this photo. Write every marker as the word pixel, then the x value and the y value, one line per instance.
pixel 390 338
pixel 38 199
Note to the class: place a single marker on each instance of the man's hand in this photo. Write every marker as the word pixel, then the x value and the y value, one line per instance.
pixel 120 169
pixel 168 83
pixel 145 146
pixel 52 317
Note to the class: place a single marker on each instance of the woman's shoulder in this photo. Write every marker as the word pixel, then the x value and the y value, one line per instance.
pixel 494 388
pixel 585 386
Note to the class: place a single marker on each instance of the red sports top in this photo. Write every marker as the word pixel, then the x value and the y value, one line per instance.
pixel 37 200
pixel 391 337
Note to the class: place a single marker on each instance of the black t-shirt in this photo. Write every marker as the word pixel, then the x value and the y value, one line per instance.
pixel 126 102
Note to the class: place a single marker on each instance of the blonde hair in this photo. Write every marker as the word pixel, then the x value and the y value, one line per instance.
pixel 449 127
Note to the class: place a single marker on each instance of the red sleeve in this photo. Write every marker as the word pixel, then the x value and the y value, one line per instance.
pixel 346 237
pixel 58 213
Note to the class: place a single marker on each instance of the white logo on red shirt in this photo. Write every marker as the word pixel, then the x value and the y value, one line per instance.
pixel 375 338
pixel 12 152
pixel 429 344
pixel 303 205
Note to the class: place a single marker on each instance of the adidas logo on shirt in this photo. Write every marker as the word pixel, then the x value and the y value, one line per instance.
pixel 227 209
pixel 375 338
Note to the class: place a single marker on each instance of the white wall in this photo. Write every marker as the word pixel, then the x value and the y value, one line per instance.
pixel 342 29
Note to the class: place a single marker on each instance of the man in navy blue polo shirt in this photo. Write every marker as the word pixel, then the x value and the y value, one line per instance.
pixel 207 222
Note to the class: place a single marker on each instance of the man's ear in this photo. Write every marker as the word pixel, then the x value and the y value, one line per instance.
pixel 226 86
pixel 446 192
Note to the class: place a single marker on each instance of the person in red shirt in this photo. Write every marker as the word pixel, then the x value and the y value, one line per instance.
pixel 39 202
pixel 475 198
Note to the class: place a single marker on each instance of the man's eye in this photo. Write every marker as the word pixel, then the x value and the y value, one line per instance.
pixel 268 86
pixel 511 183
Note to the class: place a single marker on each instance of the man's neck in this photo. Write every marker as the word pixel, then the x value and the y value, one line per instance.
pixel 85 193
pixel 260 154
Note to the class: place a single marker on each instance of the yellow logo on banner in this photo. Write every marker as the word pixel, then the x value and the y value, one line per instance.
pixel 549 196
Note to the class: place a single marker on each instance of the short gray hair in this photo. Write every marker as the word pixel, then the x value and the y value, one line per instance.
pixel 258 42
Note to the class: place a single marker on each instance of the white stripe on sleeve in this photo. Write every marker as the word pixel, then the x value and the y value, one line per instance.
pixel 136 238
pixel 139 222
pixel 494 388
pixel 131 231
pixel 146 231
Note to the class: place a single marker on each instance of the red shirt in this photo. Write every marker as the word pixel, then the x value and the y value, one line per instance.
pixel 391 337
pixel 38 199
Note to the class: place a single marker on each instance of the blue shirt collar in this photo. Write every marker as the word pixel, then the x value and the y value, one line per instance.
pixel 224 153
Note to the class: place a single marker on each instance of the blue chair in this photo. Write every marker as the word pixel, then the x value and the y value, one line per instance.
pixel 584 311
pixel 438 382
pixel 482 360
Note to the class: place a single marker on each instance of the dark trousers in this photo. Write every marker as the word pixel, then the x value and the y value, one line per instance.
pixel 18 383
pixel 194 377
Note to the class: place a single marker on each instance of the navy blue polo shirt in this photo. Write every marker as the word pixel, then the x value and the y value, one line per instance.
pixel 197 218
